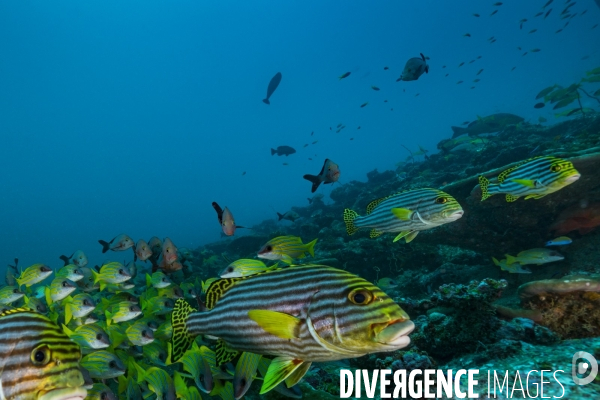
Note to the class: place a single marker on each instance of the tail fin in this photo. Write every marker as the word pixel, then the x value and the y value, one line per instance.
pixel 458 131
pixel 309 200
pixel 496 262
pixel 349 217
pixel 510 259
pixel 315 181
pixel 310 247
pixel 484 184
pixel 105 246
pixel 181 339
pixel 66 259
pixel 273 151
pixel 266 101
pixel 280 216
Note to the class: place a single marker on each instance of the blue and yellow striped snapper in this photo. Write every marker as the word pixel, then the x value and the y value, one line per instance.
pixel 286 248
pixel 10 294
pixel 34 274
pixel 244 267
pixel 407 212
pixel 533 178
pixel 103 364
pixel 38 359
pixel 91 336
pixel 324 314
pixel 70 271
pixel 59 289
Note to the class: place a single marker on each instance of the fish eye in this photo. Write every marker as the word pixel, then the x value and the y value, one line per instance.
pixel 40 355
pixel 112 364
pixel 16 291
pixel 164 279
pixel 76 271
pixel 98 336
pixel 86 302
pixel 65 284
pixel 441 200
pixel 132 308
pixel 39 308
pixel 555 168
pixel 269 248
pixel 44 269
pixel 361 297
pixel 103 396
pixel 230 269
pixel 121 271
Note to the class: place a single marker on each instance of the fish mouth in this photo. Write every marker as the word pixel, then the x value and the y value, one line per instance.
pixel 395 334
pixel 454 215
pixel 77 393
pixel 572 178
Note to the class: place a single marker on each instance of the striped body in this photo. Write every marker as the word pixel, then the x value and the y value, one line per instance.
pixel 330 327
pixel 37 358
pixel 533 178
pixel 410 211
pixel 286 248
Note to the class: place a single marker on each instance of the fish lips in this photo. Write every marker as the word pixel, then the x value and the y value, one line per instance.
pixel 78 393
pixel 570 179
pixel 396 334
pixel 456 215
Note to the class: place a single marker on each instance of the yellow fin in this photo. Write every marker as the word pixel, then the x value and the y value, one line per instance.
pixel 510 198
pixel 409 238
pixel 217 289
pixel 496 262
pixel 181 338
pixel 484 183
pixel 402 214
pixel 310 247
pixel 401 235
pixel 371 206
pixel 279 369
pixel 276 323
pixel 525 182
pixel 375 233
pixel 534 196
pixel 298 374
pixel 510 259
pixel 224 353
pixel 68 313
pixel 349 217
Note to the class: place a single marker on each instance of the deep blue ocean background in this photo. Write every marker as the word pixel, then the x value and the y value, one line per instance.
pixel 132 117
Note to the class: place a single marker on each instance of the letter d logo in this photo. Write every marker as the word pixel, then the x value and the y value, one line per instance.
pixel 582 367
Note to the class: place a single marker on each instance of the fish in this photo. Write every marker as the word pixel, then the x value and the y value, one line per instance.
pixel 476 15
pixel 273 84
pixel 140 334
pixel 547 13
pixel 34 274
pixel 539 105
pixel 386 284
pixel 344 75
pixel 78 306
pixel 189 290
pixel 286 248
pixel 113 272
pixel 103 364
pixel 375 88
pixel 295 325
pixel 490 124
pixel 156 246
pixel 120 242
pixel 158 280
pixel 545 92
pixel 225 219
pixel 100 391
pixel 142 251
pixel 70 271
pixel 330 173
pixel 548 3
pixel 316 198
pixel 290 216
pixel 498 4
pixel 539 14
pixel 10 294
pixel 157 305
pixel 533 31
pixel 11 274
pixel 591 79
pixel 59 289
pixel 35 304
pixel 158 380
pixel 364 104
pixel 577 218
pixel 244 267
pixel 559 241
pixel 514 268
pixel 535 256
pixel 89 336
pixel 414 68
pixel 39 361
pixel 169 261
pixel 533 178
pixel 479 72
pixel 123 311
pixel 493 12
pixel 283 151
pixel 78 258
pixel 595 71
pixel 407 212
pixel 536 50
pixel 466 35
pixel 245 372
pixel 461 64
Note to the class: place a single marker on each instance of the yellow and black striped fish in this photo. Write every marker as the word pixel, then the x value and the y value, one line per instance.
pixel 406 212
pixel 38 361
pixel 299 315
pixel 533 178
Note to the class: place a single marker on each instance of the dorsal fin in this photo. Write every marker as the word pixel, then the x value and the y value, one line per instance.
pixel 217 289
pixel 371 206
pixel 504 174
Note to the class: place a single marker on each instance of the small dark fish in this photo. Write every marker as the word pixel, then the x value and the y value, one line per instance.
pixel 548 3
pixel 594 26
pixel 312 133
pixel 583 12
pixel 471 62
pixel 540 13
pixel 467 35
pixel 459 82
pixel 513 68
pixel 329 173
pixel 306 145
pixel 547 13
pixel 385 68
pixel 414 68
pixel 290 216
pixel 472 87
pixel 385 101
pixel 476 15
pixel 539 105
pixel 375 88
pixel 272 86
pixel 558 31
pixel 476 80
pixel 283 151
pixel 533 31
pixel 535 50
pixel 351 138
pixel 493 12
pixel 519 48
pixel 493 41
pixel 344 75
pixel 364 104
pixel 243 173
pixel 524 54
pixel 490 38
pixel 478 57
pixel 315 142
pixel 447 74
pixel 443 66
pixel 498 4
pixel 480 71
pixel 285 163
pixel 461 64
pixel 339 125
pixel 310 158
pixel 358 127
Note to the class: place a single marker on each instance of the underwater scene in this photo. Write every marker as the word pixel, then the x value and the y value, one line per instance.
pixel 316 200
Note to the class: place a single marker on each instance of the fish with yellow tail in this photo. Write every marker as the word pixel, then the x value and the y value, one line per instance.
pixel 286 249
pixel 407 212
pixel 46 365
pixel 533 178
pixel 323 314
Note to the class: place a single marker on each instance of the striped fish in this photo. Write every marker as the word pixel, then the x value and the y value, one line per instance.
pixel 323 314
pixel 286 248
pixel 407 212
pixel 38 359
pixel 533 178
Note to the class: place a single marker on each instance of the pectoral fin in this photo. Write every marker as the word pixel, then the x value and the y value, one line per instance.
pixel 279 369
pixel 276 323
pixel 402 214
pixel 525 182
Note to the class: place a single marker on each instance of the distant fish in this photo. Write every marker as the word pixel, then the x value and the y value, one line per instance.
pixel 547 13
pixel 363 105
pixel 493 12
pixel 121 242
pixel 514 268
pixel 480 71
pixel 548 3
pixel 385 68
pixel 344 75
pixel 540 13
pixel 476 15
pixel 142 251
pixel 330 173
pixel 498 4
pixel 290 216
pixel 414 68
pixel 542 119
pixel 539 105
pixel 225 219
pixel 535 256
pixel 375 88
pixel 533 31
pixel 467 35
pixel 78 258
pixel 559 241
pixel 283 151
pixel 272 86
pixel 461 64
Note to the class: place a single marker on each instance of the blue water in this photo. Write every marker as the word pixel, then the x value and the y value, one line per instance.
pixel 132 117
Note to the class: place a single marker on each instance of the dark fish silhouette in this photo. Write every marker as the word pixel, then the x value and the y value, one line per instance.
pixel 272 86
pixel 283 151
